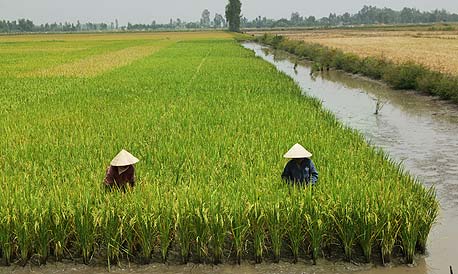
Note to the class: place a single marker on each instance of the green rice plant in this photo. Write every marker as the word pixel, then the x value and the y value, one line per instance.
pixel 145 230
pixel 61 227
pixel 42 230
pixel 129 238
pixel 276 227
pixel 217 226
pixel 388 237
pixel 23 228
pixel 6 235
pixel 409 230
pixel 368 231
pixel 239 226
pixel 317 221
pixel 295 218
pixel 111 228
pixel 201 227
pixel 183 226
pixel 391 224
pixel 369 225
pixel 258 225
pixel 429 215
pixel 345 223
pixel 165 222
pixel 85 226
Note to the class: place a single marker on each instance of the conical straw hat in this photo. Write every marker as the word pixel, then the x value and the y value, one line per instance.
pixel 297 151
pixel 124 158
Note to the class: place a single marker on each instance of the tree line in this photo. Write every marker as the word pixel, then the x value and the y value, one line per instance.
pixel 367 15
pixel 25 25
pixel 233 20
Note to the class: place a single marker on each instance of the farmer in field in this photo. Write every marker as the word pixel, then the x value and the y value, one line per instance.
pixel 300 169
pixel 121 171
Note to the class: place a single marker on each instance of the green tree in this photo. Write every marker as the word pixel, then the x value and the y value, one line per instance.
pixel 233 10
pixel 296 19
pixel 219 21
pixel 205 20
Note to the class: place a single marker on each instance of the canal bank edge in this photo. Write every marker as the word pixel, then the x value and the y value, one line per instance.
pixel 404 76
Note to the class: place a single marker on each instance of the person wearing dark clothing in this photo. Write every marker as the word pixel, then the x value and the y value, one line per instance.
pixel 120 176
pixel 300 169
pixel 121 172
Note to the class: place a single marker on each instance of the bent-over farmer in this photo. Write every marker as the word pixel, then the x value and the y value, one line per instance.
pixel 300 169
pixel 121 171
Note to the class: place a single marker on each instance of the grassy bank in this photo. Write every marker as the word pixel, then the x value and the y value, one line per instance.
pixel 210 123
pixel 408 75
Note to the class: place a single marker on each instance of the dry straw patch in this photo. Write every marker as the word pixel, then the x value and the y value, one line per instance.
pixel 27 50
pixel 118 36
pixel 98 64
pixel 435 50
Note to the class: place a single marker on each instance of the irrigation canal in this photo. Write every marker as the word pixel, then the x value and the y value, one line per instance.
pixel 419 131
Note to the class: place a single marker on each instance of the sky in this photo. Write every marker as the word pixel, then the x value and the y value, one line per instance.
pixel 145 11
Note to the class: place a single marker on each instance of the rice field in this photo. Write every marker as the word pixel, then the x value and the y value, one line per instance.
pixel 435 50
pixel 210 123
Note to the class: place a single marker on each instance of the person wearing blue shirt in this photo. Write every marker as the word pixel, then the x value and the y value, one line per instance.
pixel 300 169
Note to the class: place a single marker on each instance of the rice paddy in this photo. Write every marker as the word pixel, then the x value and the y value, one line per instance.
pixel 210 123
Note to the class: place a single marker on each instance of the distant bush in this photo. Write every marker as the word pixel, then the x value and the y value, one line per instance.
pixel 373 67
pixel 404 76
pixel 428 82
pixel 274 40
pixel 442 28
pixel 447 87
pixel 288 45
pixel 348 62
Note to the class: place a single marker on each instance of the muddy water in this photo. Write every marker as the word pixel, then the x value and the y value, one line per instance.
pixel 420 131
pixel 248 268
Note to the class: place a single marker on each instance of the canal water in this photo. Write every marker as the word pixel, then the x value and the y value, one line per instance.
pixel 419 131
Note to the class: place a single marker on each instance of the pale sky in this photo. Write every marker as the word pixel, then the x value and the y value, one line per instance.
pixel 145 11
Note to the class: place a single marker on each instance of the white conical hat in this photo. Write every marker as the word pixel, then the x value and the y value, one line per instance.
pixel 124 158
pixel 297 151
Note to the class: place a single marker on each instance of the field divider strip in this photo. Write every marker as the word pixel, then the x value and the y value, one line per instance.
pixel 198 69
